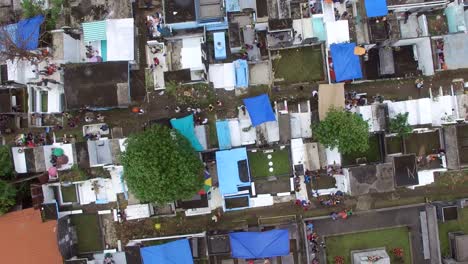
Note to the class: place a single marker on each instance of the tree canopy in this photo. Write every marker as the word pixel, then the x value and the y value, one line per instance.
pixel 399 124
pixel 161 166
pixel 343 130
pixel 6 165
pixel 7 196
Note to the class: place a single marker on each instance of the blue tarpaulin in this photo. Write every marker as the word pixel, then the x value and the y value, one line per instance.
pixel 376 8
pixel 224 134
pixel 345 63
pixel 186 126
pixel 242 73
pixel 254 245
pixel 228 170
pixel 220 45
pixel 25 33
pixel 260 109
pixel 170 253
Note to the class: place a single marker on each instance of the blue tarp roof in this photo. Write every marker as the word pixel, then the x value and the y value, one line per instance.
pixel 228 172
pixel 376 8
pixel 242 73
pixel 220 45
pixel 254 245
pixel 224 134
pixel 186 126
pixel 260 109
pixel 170 253
pixel 345 63
pixel 25 33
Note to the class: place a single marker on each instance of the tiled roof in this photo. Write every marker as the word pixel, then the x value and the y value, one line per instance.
pixel 26 239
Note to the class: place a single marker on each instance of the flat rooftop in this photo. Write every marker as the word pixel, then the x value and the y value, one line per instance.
pixel 97 85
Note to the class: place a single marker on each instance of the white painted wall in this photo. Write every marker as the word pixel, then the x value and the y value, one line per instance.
pixel 425 62
pixel 71 49
pixel 422 21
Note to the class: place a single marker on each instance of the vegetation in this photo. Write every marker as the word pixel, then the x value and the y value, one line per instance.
pixel 69 194
pixel 33 8
pixel 6 164
pixel 194 95
pixel 392 238
pixel 399 124
pixel 461 224
pixel 7 196
pixel 88 232
pixel 372 154
pixel 258 162
pixel 161 166
pixel 343 130
pixel 299 65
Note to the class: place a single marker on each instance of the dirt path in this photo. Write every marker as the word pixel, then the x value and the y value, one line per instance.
pixel 404 89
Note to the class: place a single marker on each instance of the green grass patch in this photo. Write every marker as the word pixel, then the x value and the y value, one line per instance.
pixel 371 155
pixel 44 101
pixel 88 232
pixel 394 145
pixel 69 194
pixel 212 134
pixel 342 245
pixel 299 65
pixel 258 162
pixel 461 224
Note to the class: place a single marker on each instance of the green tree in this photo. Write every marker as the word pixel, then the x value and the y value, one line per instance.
pixel 7 196
pixel 399 124
pixel 161 166
pixel 6 165
pixel 33 8
pixel 343 130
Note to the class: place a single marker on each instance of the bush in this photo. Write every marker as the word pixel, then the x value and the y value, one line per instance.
pixel 7 196
pixel 343 130
pixel 161 166
pixel 399 124
pixel 6 164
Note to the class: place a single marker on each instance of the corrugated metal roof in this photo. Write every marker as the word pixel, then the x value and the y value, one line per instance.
pixel 94 31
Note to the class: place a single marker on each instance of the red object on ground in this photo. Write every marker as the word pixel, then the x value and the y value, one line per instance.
pixel 156 61
pixel 136 109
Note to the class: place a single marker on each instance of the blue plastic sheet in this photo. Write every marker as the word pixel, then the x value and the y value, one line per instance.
pixel 185 126
pixel 345 63
pixel 25 33
pixel 224 134
pixel 254 245
pixel 376 8
pixel 260 109
pixel 220 45
pixel 173 252
pixel 228 171
pixel 242 73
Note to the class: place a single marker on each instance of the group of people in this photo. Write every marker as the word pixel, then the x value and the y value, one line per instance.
pixel 342 214
pixel 314 240
pixel 353 100
pixel 333 200
pixel 30 140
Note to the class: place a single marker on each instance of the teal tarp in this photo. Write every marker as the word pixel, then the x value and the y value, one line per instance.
pixel 95 31
pixel 185 126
